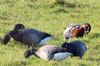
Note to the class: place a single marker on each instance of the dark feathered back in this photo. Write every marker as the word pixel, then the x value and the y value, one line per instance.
pixel 77 47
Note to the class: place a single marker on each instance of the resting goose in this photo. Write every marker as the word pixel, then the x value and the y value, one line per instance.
pixel 28 36
pixel 76 30
pixel 48 52
pixel 77 48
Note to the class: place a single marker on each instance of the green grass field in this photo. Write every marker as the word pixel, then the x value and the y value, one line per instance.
pixel 47 16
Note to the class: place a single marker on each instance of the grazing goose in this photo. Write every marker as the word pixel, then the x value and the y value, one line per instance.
pixel 28 36
pixel 77 48
pixel 48 52
pixel 76 30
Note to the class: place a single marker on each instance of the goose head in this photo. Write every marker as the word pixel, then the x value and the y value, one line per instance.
pixel 30 52
pixel 64 46
pixel 6 38
pixel 12 34
pixel 87 27
pixel 19 26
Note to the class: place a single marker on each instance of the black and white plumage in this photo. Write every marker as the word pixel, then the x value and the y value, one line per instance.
pixel 77 48
pixel 48 52
pixel 29 36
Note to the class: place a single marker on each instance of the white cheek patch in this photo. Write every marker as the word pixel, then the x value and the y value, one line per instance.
pixel 87 31
pixel 62 55
pixel 44 41
pixel 84 32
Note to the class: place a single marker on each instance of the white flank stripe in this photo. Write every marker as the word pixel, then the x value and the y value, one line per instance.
pixel 62 55
pixel 43 42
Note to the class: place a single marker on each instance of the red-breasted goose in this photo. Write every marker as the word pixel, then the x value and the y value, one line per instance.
pixel 76 31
